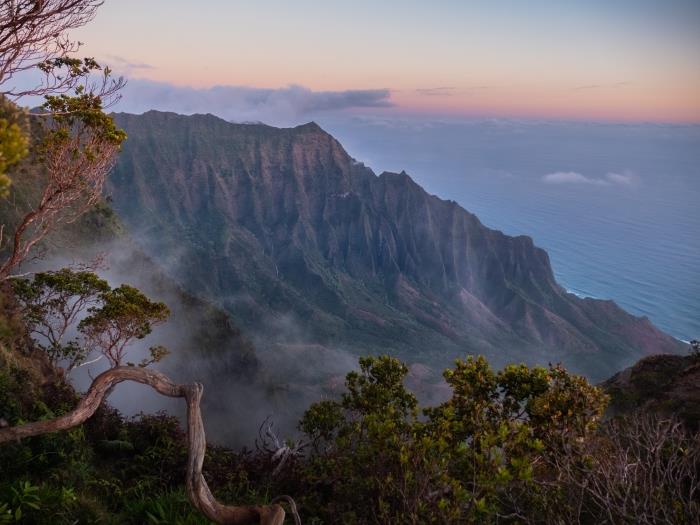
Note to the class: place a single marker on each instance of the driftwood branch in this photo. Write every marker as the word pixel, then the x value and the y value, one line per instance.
pixel 197 488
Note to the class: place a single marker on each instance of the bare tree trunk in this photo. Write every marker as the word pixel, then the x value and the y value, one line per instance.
pixel 197 488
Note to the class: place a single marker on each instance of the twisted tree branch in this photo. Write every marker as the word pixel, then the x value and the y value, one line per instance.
pixel 197 488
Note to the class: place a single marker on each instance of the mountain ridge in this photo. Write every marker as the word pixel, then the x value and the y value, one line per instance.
pixel 282 223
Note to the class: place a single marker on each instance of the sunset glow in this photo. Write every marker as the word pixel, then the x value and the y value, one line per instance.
pixel 628 60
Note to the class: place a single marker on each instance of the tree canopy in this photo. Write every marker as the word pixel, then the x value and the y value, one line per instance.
pixel 103 320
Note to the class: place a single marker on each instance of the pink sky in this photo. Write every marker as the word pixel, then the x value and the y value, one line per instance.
pixel 633 60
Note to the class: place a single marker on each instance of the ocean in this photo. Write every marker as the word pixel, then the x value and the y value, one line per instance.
pixel 616 206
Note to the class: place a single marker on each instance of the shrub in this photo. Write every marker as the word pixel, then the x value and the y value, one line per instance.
pixel 475 458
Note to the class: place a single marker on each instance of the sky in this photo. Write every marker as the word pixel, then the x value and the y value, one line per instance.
pixel 605 60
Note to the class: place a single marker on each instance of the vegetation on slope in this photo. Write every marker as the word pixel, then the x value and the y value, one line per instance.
pixel 668 384
pixel 524 445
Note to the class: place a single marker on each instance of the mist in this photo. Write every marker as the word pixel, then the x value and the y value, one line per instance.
pixel 283 378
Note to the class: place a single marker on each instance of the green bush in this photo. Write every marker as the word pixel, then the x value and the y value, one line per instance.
pixel 376 459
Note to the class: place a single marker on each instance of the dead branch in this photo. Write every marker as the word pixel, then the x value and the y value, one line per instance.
pixel 278 451
pixel 197 488
pixel 641 469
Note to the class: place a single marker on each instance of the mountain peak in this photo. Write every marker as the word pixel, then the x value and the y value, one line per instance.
pixel 309 126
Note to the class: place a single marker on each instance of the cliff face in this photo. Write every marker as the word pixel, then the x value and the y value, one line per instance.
pixel 305 245
pixel 667 384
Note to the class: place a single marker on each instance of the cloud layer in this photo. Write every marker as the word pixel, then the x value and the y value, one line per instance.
pixel 573 177
pixel 281 106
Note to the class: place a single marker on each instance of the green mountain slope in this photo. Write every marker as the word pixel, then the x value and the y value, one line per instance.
pixel 312 252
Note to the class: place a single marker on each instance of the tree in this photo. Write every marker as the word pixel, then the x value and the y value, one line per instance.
pixel 52 303
pixel 77 149
pixel 74 143
pixel 34 36
pixel 507 424
pixel 197 488
pixel 124 314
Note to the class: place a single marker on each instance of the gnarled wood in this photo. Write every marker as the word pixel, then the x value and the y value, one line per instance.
pixel 197 488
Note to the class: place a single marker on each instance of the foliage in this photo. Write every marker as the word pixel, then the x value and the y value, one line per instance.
pixel 14 142
pixel 156 354
pixel 523 445
pixel 520 445
pixel 53 303
pixel 167 508
pixel 124 314
pixel 467 460
pixel 82 109
pixel 658 384
pixel 79 476
pixel 34 36
pixel 73 143
pixel 23 497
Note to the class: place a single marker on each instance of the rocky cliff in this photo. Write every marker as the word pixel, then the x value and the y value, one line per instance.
pixel 305 246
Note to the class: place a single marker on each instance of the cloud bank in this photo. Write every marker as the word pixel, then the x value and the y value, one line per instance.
pixel 283 106
pixel 573 177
